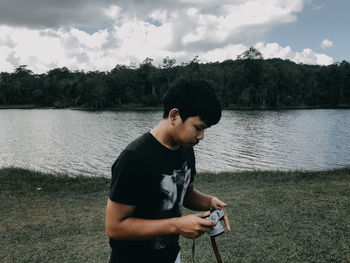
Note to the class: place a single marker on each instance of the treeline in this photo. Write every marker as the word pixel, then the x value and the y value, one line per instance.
pixel 249 81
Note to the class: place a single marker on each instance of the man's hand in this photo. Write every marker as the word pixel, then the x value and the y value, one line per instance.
pixel 215 203
pixel 193 226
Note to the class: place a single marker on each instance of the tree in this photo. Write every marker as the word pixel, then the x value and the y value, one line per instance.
pixel 146 81
pixel 251 53
pixel 4 87
pixel 249 81
pixel 168 63
pixel 22 82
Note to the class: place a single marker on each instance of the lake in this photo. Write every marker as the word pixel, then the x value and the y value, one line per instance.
pixel 88 142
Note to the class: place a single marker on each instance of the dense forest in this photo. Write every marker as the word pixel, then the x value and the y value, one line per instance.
pixel 249 81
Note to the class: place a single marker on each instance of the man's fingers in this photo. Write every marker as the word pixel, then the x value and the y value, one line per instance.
pixel 221 203
pixel 203 214
pixel 206 229
pixel 216 203
pixel 227 223
pixel 205 222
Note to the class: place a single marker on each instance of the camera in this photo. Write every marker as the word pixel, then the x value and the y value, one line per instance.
pixel 216 216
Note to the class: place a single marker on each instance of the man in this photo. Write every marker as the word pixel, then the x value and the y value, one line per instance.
pixel 153 177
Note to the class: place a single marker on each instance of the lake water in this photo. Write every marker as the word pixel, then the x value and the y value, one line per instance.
pixel 88 142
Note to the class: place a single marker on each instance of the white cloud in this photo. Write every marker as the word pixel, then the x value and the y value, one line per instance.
pixel 326 43
pixel 323 59
pixel 319 7
pixel 215 30
pixel 221 54
pixel 112 12
pixel 307 56
pixel 269 50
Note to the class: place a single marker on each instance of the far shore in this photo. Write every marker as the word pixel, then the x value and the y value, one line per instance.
pixel 143 108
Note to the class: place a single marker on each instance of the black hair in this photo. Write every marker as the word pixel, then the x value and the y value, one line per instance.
pixel 193 98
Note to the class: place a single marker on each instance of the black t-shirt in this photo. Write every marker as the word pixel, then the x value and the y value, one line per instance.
pixel 154 179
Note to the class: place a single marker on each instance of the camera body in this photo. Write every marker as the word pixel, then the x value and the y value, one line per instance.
pixel 216 216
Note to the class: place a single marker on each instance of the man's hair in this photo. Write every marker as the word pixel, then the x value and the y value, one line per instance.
pixel 193 98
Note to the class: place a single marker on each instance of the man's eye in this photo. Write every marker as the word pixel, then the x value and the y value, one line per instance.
pixel 198 128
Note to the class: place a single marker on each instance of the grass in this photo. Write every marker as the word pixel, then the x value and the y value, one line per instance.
pixel 275 217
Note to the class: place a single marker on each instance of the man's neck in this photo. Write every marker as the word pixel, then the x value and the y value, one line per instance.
pixel 162 134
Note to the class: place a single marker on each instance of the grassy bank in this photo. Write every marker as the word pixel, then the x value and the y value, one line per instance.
pixel 275 217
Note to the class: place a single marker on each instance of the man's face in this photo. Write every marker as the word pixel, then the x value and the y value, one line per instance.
pixel 190 132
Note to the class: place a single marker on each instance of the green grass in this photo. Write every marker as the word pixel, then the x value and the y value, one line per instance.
pixel 275 217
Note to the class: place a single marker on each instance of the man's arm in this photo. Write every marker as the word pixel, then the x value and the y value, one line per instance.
pixel 121 225
pixel 196 200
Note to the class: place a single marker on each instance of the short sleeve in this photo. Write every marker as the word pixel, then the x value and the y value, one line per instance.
pixel 126 179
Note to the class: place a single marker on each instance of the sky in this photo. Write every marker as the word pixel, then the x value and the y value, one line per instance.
pixel 94 35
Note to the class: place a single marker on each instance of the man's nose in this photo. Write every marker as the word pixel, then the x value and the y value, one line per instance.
pixel 200 136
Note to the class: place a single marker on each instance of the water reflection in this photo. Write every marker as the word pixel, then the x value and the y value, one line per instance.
pixel 88 142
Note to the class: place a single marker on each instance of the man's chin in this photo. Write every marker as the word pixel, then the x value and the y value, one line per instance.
pixel 189 145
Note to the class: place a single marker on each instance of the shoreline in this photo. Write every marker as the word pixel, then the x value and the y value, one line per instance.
pixel 141 108
pixel 241 173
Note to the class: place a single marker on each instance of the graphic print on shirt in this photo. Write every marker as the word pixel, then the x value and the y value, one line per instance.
pixel 173 187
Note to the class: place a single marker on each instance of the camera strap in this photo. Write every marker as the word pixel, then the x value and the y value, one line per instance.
pixel 215 249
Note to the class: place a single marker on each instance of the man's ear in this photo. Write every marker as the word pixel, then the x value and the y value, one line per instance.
pixel 173 115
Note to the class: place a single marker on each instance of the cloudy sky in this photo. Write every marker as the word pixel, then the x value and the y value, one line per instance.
pixel 99 34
